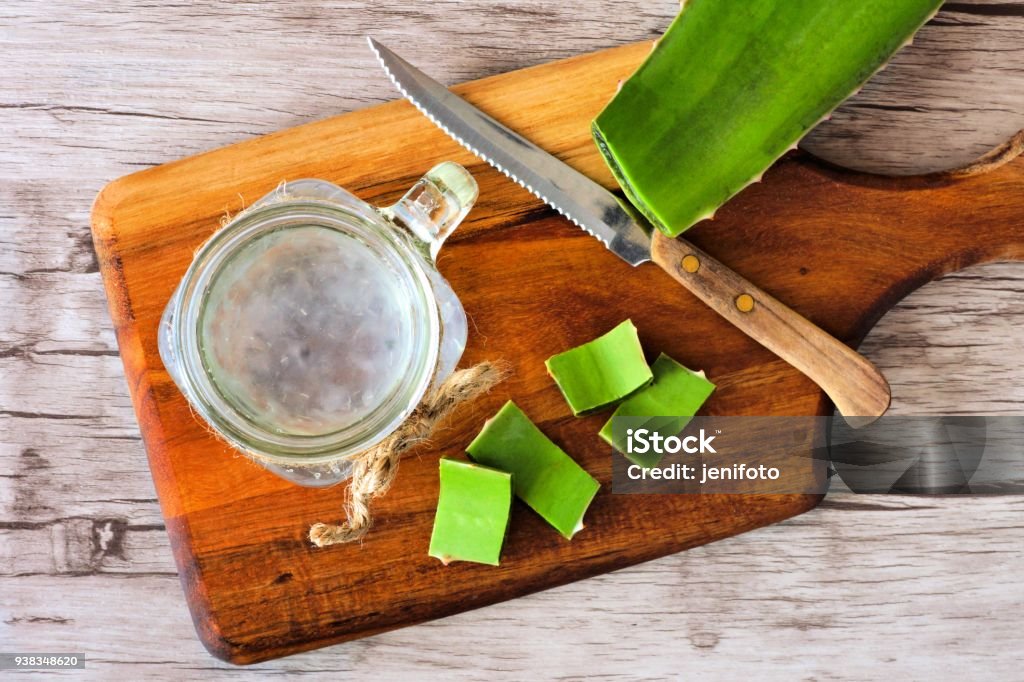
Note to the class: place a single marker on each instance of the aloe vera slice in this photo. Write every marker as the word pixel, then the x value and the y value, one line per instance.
pixel 732 86
pixel 543 476
pixel 472 513
pixel 602 371
pixel 670 402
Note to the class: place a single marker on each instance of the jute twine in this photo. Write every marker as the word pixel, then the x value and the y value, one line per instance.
pixel 374 470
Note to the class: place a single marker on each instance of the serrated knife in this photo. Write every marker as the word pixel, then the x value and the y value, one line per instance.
pixel 858 389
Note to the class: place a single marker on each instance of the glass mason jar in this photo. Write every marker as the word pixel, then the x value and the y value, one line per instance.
pixel 312 324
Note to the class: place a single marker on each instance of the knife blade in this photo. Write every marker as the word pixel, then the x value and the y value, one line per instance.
pixel 584 202
pixel 858 389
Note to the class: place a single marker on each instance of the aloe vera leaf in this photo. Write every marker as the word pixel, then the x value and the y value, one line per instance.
pixel 670 402
pixel 472 513
pixel 732 86
pixel 543 476
pixel 603 371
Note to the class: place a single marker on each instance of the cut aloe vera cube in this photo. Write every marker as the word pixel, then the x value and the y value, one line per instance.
pixel 601 372
pixel 732 86
pixel 543 476
pixel 472 513
pixel 669 403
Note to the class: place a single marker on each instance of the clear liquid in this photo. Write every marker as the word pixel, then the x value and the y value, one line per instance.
pixel 307 330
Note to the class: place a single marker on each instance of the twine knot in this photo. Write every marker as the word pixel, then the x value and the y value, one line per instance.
pixel 374 470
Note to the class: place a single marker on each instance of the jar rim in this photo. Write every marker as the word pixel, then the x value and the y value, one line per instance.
pixel 354 218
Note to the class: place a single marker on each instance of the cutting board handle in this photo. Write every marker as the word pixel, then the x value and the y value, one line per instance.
pixel 855 385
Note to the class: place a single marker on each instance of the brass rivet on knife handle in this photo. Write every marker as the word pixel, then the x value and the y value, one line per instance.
pixel 691 263
pixel 858 389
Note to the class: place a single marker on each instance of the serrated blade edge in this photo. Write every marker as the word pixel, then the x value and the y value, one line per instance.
pixel 581 200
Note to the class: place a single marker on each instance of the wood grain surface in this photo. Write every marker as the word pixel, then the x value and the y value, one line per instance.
pixel 909 586
pixel 532 285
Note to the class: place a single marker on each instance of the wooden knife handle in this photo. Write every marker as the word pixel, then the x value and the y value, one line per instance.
pixel 858 389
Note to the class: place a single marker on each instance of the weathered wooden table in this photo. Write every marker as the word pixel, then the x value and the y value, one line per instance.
pixel 909 587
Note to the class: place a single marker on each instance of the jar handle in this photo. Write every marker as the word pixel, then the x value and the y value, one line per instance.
pixel 436 204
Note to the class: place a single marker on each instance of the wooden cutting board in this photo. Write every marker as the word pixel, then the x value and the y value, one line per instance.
pixel 840 248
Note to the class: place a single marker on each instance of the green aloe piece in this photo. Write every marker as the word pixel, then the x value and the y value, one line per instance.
pixel 732 86
pixel 543 476
pixel 601 372
pixel 670 402
pixel 472 513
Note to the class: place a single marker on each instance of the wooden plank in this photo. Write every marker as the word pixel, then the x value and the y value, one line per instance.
pixel 183 82
pixel 93 92
pixel 778 603
pixel 952 95
pixel 81 546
